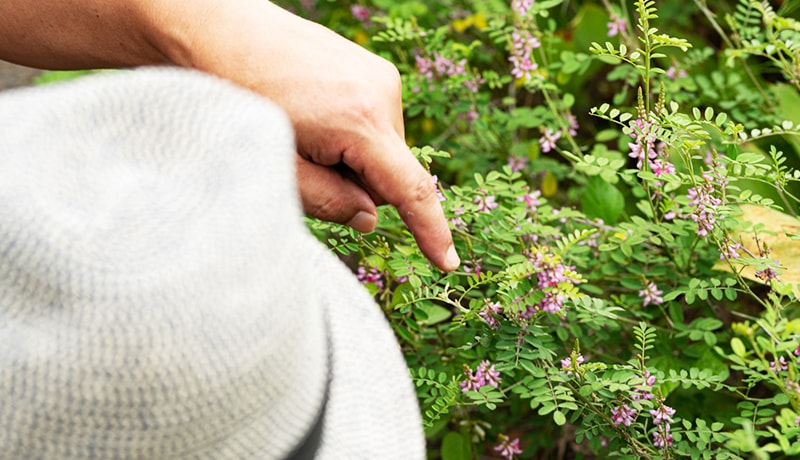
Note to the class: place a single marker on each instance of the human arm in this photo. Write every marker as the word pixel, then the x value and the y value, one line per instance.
pixel 344 102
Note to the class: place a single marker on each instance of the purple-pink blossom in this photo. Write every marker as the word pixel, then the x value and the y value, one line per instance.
pixel 485 374
pixel 766 275
pixel 623 415
pixel 522 45
pixel 373 276
pixel 550 275
pixel 662 414
pixel 661 436
pixel 489 314
pixel 651 294
pixel 645 393
pixel 508 447
pixel 643 147
pixel 616 25
pixel 548 140
pixel 779 365
pixel 521 7
pixel 457 221
pixel 473 266
pixel 439 66
pixel 566 363
pixel 360 12
pixel 705 203
pixel 439 193
pixel 485 202
pixel 729 249
pixel 674 73
pixel 573 125
pixel 516 163
pixel 531 200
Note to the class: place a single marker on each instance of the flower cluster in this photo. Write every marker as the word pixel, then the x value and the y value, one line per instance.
pixel 489 314
pixel 522 45
pixel 616 25
pixel 646 394
pixel 531 200
pixel 703 198
pixel 644 134
pixel 552 277
pixel 360 12
pixel 623 415
pixel 521 7
pixel 508 447
pixel 485 374
pixel 485 203
pixel 662 417
pixel 371 276
pixel 651 294
pixel 439 66
pixel 779 365
pixel 568 366
pixel 729 249
pixel 547 142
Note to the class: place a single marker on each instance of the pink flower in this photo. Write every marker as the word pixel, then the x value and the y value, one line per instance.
pixel 521 7
pixel 616 25
pixel 662 414
pixel 674 73
pixel 566 363
pixel 779 365
pixel 516 163
pixel 661 436
pixel 485 374
pixel 729 249
pixel 531 200
pixel 705 205
pixel 360 12
pixel 508 447
pixel 623 415
pixel 645 394
pixel 548 140
pixel 489 314
pixel 439 193
pixel 485 203
pixel 766 275
pixel 651 294
pixel 373 276
pixel 522 45
pixel 573 124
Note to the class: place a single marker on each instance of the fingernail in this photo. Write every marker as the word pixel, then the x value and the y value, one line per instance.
pixel 363 222
pixel 451 260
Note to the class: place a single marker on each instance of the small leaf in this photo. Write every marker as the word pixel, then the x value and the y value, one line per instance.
pixel 456 446
pixel 549 184
pixel 602 200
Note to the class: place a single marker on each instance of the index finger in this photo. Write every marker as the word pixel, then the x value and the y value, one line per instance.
pixel 391 171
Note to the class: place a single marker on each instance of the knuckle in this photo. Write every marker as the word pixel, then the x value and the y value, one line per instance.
pixel 330 208
pixel 422 190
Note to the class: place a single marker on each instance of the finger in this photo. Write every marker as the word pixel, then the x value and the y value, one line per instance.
pixel 329 196
pixel 392 172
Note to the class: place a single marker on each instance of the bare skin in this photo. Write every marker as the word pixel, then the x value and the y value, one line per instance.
pixel 344 102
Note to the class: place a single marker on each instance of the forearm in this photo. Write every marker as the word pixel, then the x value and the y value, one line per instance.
pixel 71 34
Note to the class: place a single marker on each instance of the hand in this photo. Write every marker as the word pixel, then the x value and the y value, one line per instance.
pixel 346 107
pixel 344 102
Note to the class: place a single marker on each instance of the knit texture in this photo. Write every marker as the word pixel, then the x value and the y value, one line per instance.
pixel 160 296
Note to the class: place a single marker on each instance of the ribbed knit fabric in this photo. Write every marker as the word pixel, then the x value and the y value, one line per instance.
pixel 159 294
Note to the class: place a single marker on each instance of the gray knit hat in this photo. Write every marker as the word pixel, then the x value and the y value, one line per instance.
pixel 160 296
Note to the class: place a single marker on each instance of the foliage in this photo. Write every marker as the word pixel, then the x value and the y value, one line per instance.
pixel 618 296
